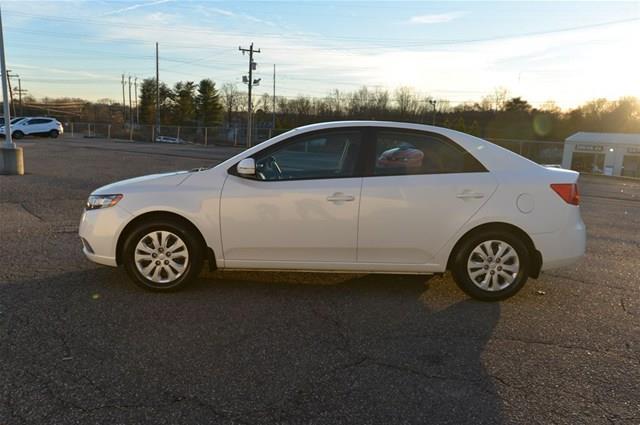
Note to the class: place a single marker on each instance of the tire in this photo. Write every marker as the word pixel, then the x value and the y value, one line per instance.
pixel 54 134
pixel 17 134
pixel 491 278
pixel 142 253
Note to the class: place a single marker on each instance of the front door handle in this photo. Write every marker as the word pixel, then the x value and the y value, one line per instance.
pixel 340 197
pixel 469 195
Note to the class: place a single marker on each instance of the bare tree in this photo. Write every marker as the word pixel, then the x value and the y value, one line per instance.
pixel 359 101
pixel 486 103
pixel 230 98
pixel 406 100
pixel 265 103
pixel 500 96
pixel 335 102
pixel 380 101
pixel 551 107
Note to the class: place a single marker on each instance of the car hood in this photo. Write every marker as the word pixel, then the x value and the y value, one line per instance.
pixel 144 183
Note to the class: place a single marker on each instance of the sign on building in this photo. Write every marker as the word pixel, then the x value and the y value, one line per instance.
pixel 589 148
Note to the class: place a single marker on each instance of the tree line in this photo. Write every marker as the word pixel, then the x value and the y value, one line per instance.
pixel 496 115
pixel 186 103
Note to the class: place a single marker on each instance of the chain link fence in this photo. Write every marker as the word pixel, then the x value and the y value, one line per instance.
pixel 542 152
pixel 228 136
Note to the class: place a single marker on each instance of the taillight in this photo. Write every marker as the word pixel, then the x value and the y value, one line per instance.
pixel 568 192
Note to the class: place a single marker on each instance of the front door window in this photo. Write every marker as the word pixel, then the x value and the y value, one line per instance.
pixel 325 155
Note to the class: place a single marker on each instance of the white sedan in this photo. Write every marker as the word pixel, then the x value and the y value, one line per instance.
pixel 351 196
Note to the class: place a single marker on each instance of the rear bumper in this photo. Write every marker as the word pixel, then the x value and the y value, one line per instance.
pixel 563 247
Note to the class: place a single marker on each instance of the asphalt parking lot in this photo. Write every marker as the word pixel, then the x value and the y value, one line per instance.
pixel 79 344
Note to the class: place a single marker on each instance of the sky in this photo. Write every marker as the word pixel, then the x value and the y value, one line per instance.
pixel 567 52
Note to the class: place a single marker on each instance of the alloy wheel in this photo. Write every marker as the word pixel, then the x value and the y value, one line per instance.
pixel 161 257
pixel 493 265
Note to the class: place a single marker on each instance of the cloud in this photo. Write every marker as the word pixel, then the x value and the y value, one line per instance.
pixel 257 20
pixel 84 74
pixel 435 18
pixel 134 6
pixel 569 66
pixel 223 12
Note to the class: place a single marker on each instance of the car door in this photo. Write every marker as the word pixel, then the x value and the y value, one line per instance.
pixel 23 126
pixel 300 210
pixel 419 189
pixel 34 126
pixel 45 126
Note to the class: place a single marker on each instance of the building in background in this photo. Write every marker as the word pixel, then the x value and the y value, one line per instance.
pixel 611 154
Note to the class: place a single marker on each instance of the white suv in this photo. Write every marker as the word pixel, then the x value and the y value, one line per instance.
pixel 35 126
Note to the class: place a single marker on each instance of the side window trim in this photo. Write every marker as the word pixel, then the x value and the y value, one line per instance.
pixel 372 142
pixel 358 169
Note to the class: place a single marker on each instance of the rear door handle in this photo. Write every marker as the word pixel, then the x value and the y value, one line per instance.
pixel 340 197
pixel 470 195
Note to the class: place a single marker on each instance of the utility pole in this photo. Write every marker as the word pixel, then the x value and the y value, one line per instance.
pixel 9 76
pixel 8 143
pixel 433 103
pixel 130 110
pixel 273 112
pixel 250 83
pixel 20 91
pixel 11 157
pixel 124 107
pixel 135 90
pixel 157 94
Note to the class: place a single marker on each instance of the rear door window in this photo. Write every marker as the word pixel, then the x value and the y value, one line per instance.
pixel 402 152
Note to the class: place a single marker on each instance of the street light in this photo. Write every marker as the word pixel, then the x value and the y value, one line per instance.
pixel 433 103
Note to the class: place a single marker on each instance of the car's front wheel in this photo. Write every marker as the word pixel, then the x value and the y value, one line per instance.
pixel 491 266
pixel 54 134
pixel 162 256
pixel 17 134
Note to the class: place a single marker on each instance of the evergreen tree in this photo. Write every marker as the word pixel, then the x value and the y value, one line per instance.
pixel 184 103
pixel 208 105
pixel 147 101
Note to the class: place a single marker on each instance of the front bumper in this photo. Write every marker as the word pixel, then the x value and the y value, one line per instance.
pixel 99 231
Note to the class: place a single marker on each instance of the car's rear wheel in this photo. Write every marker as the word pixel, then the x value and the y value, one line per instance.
pixel 54 134
pixel 162 256
pixel 491 266
pixel 17 134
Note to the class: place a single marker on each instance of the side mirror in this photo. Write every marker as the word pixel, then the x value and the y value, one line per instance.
pixel 247 167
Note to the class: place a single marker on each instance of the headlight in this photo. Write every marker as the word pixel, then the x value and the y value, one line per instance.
pixel 102 201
